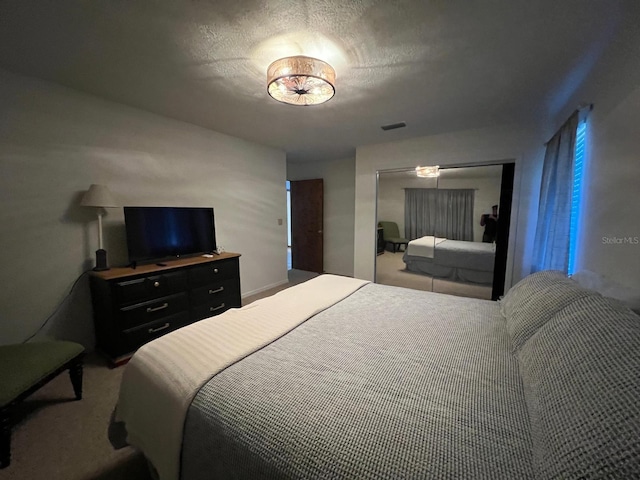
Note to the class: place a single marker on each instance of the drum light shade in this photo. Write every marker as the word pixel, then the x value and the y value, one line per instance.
pixel 301 80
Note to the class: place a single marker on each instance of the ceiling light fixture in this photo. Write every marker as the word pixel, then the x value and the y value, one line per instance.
pixel 301 80
pixel 428 172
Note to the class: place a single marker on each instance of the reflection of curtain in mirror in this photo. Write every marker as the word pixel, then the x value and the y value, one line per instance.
pixel 419 212
pixel 455 214
pixel 446 213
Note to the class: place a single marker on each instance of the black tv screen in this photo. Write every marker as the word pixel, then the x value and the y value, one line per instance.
pixel 161 233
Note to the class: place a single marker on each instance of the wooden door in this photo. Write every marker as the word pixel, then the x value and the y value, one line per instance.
pixel 307 244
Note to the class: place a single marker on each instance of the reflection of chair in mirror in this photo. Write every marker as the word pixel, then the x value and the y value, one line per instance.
pixel 391 234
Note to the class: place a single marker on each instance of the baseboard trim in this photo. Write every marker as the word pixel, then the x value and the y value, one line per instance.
pixel 264 289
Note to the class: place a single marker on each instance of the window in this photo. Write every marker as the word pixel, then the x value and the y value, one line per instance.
pixel 576 191
pixel 556 242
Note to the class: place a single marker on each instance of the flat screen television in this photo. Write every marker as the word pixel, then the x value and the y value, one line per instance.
pixel 162 233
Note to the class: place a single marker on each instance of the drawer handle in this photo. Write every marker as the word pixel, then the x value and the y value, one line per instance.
pixel 164 327
pixel 215 270
pixel 218 290
pixel 156 284
pixel 215 309
pixel 155 309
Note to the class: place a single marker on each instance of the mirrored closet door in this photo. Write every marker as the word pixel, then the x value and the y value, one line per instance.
pixel 443 231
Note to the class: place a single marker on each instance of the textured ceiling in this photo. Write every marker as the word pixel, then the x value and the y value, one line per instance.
pixel 438 65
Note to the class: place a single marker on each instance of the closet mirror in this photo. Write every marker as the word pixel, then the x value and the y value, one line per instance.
pixel 447 232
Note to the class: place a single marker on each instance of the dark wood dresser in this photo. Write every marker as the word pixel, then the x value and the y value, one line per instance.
pixel 132 306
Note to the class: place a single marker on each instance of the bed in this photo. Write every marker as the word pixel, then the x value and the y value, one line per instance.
pixel 342 378
pixel 457 260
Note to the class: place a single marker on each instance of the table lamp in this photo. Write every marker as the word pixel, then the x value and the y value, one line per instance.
pixel 100 197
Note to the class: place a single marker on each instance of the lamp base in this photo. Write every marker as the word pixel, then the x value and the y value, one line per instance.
pixel 101 261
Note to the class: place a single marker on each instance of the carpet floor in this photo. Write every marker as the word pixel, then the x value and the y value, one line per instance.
pixel 59 438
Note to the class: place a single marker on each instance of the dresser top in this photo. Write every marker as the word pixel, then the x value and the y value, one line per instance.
pixel 119 272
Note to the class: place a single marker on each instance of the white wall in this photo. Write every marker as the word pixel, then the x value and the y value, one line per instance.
pixel 610 225
pixel 55 142
pixel 471 147
pixel 391 196
pixel 339 207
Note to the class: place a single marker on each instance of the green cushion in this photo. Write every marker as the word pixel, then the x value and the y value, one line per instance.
pixel 390 232
pixel 24 365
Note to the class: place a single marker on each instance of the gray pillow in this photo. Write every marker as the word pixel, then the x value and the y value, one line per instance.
pixel 524 288
pixel 581 372
pixel 534 300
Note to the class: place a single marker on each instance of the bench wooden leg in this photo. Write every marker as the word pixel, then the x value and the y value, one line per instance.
pixel 75 373
pixel 5 436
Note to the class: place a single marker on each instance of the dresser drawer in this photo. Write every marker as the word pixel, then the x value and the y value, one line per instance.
pixel 134 337
pixel 210 309
pixel 214 272
pixel 154 286
pixel 142 313
pixel 209 294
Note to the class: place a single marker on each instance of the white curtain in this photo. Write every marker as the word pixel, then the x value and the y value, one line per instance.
pixel 551 244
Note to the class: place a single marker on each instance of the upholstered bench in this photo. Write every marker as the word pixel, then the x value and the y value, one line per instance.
pixel 26 367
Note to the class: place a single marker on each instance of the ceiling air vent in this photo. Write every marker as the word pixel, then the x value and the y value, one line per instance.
pixel 393 126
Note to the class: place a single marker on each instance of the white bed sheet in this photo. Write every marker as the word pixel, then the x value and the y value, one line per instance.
pixel 424 246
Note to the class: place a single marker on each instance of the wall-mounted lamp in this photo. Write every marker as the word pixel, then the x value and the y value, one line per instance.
pixel 100 197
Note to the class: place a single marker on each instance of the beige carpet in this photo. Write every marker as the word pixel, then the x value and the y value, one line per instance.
pixel 58 438
pixel 390 270
pixel 62 439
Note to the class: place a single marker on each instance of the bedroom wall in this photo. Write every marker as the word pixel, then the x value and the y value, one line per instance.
pixel 470 147
pixel 55 142
pixel 391 195
pixel 339 209
pixel 609 223
pixel 610 226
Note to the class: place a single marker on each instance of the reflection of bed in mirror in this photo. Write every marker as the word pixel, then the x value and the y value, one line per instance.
pixel 457 260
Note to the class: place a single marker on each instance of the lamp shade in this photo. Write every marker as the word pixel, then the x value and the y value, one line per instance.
pixel 301 80
pixel 98 196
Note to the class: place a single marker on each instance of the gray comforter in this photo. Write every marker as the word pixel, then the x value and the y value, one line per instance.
pixel 471 255
pixel 389 384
